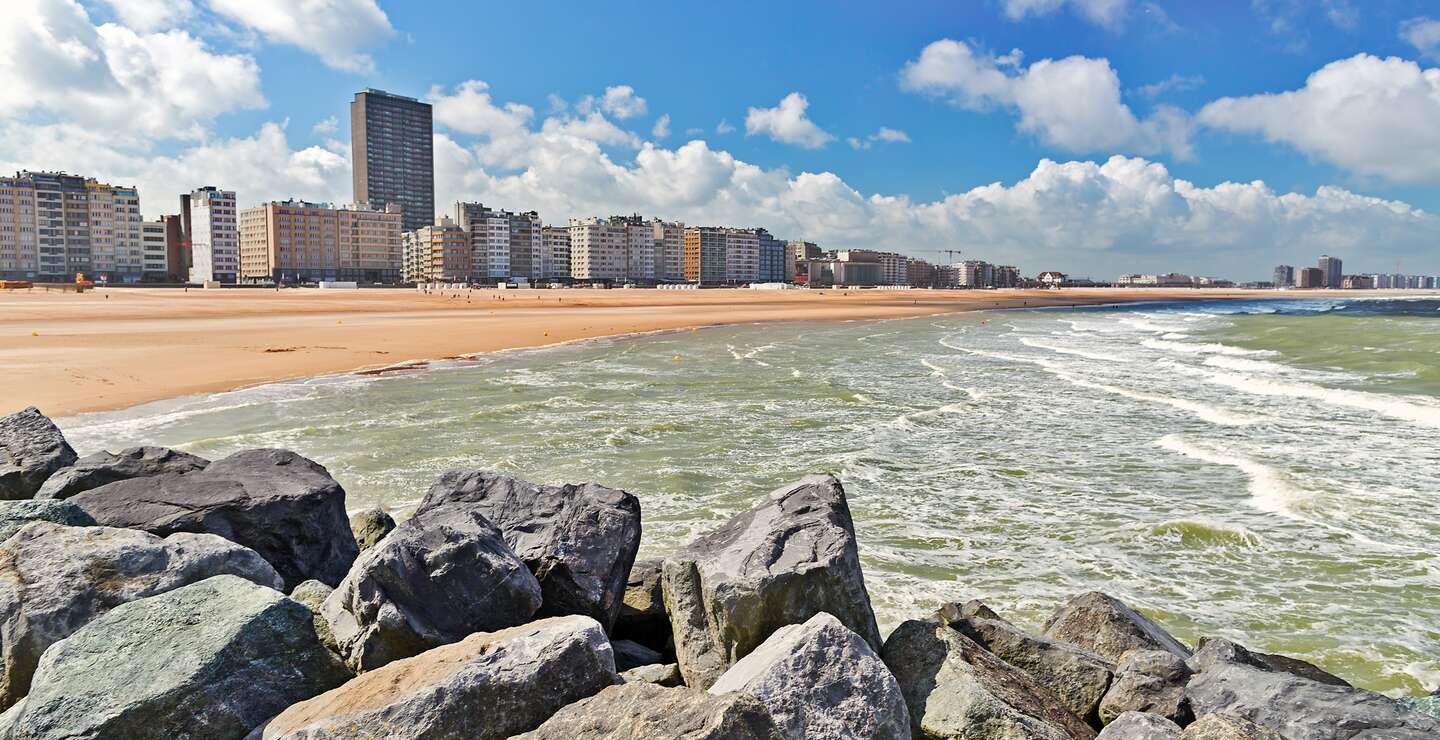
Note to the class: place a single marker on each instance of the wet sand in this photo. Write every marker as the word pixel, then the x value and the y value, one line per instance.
pixel 111 348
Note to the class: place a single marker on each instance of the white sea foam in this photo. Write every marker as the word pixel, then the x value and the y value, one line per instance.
pixel 1270 492
pixel 1196 348
pixel 1242 364
pixel 1036 343
pixel 1205 411
pixel 1417 411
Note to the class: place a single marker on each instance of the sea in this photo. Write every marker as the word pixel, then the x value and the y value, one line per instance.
pixel 1262 470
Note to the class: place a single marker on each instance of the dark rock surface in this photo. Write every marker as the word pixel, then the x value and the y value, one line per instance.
pixel 1225 727
pixel 55 579
pixel 488 686
pixel 1077 677
pixel 1140 726
pixel 642 711
pixel 819 679
pixel 275 502
pixel 442 575
pixel 633 655
pixel 1301 709
pixel 956 689
pixel 16 514
pixel 1104 625
pixel 578 540
pixel 782 562
pixel 642 617
pixel 1214 649
pixel 102 468
pixel 954 611
pixel 31 449
pixel 209 660
pixel 1150 681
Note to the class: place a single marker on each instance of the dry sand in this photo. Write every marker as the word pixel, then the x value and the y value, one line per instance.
pixel 112 348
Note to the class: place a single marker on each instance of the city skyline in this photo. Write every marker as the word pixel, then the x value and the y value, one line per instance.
pixel 941 144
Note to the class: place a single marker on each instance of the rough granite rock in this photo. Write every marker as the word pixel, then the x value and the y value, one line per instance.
pixel 209 660
pixel 661 674
pixel 1225 727
pixel 954 611
pixel 1104 625
pixel 31 449
pixel 1214 649
pixel 1149 681
pixel 633 655
pixel 643 711
pixel 54 579
pixel 369 526
pixel 442 575
pixel 1077 677
pixel 578 540
pixel 313 594
pixel 1428 705
pixel 16 514
pixel 1140 726
pixel 819 679
pixel 1301 709
pixel 275 502
pixel 489 685
pixel 782 562
pixel 956 689
pixel 101 468
pixel 642 617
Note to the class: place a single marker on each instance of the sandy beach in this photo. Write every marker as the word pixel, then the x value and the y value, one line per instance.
pixel 111 348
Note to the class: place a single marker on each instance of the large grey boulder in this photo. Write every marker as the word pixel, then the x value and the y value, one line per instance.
pixel 275 502
pixel 209 660
pixel 578 540
pixel 16 514
pixel 819 679
pixel 956 689
pixel 55 579
pixel 643 711
pixel 442 575
pixel 1140 726
pixel 1301 709
pixel 312 595
pixel 101 468
pixel 31 449
pixel 1149 681
pixel 782 562
pixel 370 526
pixel 1104 625
pixel 954 611
pixel 1226 727
pixel 489 685
pixel 1077 677
pixel 1216 650
pixel 642 617
pixel 663 674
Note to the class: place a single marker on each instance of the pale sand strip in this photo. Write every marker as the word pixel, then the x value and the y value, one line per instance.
pixel 110 349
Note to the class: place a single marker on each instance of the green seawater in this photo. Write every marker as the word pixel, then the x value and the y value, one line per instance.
pixel 1266 477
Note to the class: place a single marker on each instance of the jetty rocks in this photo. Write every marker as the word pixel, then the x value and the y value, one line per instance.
pixel 144 595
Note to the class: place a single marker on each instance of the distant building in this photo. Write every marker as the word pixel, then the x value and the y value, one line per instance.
pixel 773 256
pixel 177 248
pixel 391 148
pixel 1052 278
pixel 295 241
pixel 920 273
pixel 798 252
pixel 1331 267
pixel 556 242
pixel 1284 276
pixel 1310 277
pixel 669 239
pixel 55 225
pixel 154 251
pixel 1005 276
pixel 1357 282
pixel 439 252
pixel 1167 280
pixel 597 249
pixel 213 233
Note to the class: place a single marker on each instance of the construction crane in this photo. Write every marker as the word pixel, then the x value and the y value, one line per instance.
pixel 948 252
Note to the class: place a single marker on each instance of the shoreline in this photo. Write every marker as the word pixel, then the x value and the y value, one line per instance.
pixel 117 348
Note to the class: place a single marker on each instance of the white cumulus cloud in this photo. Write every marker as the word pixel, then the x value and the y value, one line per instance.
pixel 787 123
pixel 661 129
pixel 1108 13
pixel 1424 34
pixel 884 134
pixel 152 15
pixel 1072 103
pixel 337 31
pixel 1372 116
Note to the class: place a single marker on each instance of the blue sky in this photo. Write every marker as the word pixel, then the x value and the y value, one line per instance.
pixel 1092 136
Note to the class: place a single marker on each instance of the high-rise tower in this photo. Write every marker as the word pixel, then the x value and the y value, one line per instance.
pixel 391 148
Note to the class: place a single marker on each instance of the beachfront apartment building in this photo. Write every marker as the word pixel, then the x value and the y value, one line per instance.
pixel 556 243
pixel 1332 269
pixel 1310 277
pixel 705 255
pixel 1284 276
pixel 742 256
pixel 392 155
pixel 598 249
pixel 296 241
pixel 214 234
pixel 527 246
pixel 54 225
pixel 505 245
pixel 154 250
pixel 772 259
pixel 669 237
pixel 439 252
